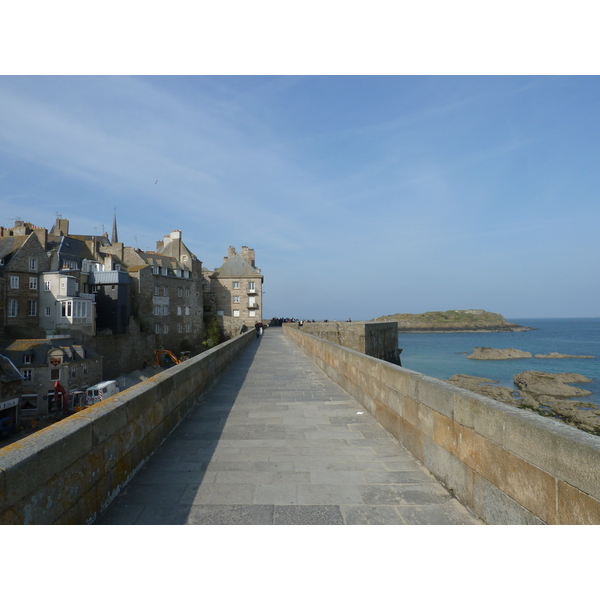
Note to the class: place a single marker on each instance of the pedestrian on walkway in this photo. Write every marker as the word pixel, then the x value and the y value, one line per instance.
pixel 257 327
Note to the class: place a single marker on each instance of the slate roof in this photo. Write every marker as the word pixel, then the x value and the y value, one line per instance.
pixel 9 245
pixel 15 349
pixel 237 266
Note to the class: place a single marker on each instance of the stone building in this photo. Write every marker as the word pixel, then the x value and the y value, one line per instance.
pixel 23 259
pixel 236 287
pixel 167 292
pixel 44 362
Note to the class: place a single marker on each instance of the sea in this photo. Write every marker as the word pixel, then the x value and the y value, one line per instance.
pixel 442 355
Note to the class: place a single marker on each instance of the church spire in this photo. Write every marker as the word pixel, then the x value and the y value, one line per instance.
pixel 115 238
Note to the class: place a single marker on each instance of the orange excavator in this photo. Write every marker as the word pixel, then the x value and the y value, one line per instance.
pixel 165 358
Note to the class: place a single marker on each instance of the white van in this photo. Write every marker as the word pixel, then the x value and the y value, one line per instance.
pixel 101 391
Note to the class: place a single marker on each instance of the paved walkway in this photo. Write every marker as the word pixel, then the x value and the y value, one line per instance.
pixel 277 442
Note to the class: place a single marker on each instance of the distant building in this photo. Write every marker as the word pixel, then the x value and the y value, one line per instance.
pixel 236 287
pixel 11 382
pixel 22 259
pixel 44 362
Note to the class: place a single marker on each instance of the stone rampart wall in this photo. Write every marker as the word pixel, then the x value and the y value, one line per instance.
pixel 510 466
pixel 69 472
pixel 377 339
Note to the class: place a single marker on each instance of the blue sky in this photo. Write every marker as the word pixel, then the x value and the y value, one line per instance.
pixel 362 195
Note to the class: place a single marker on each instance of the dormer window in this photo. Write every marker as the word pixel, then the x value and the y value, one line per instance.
pixel 27 359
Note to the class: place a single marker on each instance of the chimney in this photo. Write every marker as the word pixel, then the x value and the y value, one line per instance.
pixel 248 254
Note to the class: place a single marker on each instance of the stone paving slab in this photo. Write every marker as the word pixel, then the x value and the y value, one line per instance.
pixel 276 442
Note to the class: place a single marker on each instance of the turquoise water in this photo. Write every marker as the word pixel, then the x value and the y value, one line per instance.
pixel 442 355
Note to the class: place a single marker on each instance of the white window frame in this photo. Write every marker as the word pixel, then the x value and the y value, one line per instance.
pixel 188 327
pixel 179 311
pixel 13 308
pixel 47 286
pixel 33 308
pixel 48 311
pixel 165 310
pixel 179 328
pixel 33 283
pixel 236 299
pixel 14 282
pixel 156 328
pixel 187 311
pixel 251 286
pixel 236 313
pixel 157 311
pixel 236 285
pixel 165 328
pixel 27 374
pixel 33 264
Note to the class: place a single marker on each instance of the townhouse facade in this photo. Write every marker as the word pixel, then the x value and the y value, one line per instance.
pixel 45 362
pixel 168 295
pixel 235 288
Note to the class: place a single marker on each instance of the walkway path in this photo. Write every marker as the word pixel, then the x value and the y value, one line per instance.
pixel 277 442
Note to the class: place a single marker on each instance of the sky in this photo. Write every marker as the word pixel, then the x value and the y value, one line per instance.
pixel 362 195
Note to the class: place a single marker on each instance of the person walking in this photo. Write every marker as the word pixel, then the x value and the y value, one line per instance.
pixel 257 328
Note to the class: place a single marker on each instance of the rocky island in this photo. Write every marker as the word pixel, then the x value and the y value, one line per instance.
pixel 452 321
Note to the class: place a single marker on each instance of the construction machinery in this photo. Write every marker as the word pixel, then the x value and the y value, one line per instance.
pixel 165 358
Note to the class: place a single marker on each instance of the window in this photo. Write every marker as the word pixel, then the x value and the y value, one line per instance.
pixel 184 257
pixel 236 299
pixel 27 359
pixel 55 374
pixel 187 293
pixel 33 283
pixel 73 371
pixel 32 264
pixel 26 374
pixel 156 311
pixel 157 328
pixel 12 308
pixel 188 328
pixel 165 328
pixel 33 308
pixel 180 292
pixel 251 286
pixel 48 311
pixel 14 282
pixel 187 310
pixel 165 292
pixel 47 285
pixel 236 313
pixel 157 290
pixel 84 367
pixel 179 328
pixel 155 270
pixel 236 285
pixel 179 311
pixel 165 310
pixel 251 313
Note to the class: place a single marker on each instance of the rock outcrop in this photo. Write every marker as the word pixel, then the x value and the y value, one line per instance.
pixel 484 353
pixel 551 384
pixel 481 385
pixel 545 393
pixel 453 320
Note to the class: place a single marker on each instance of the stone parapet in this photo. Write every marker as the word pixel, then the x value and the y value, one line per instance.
pixel 508 465
pixel 377 339
pixel 69 472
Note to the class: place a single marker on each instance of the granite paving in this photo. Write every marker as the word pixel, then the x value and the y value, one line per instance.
pixel 276 442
